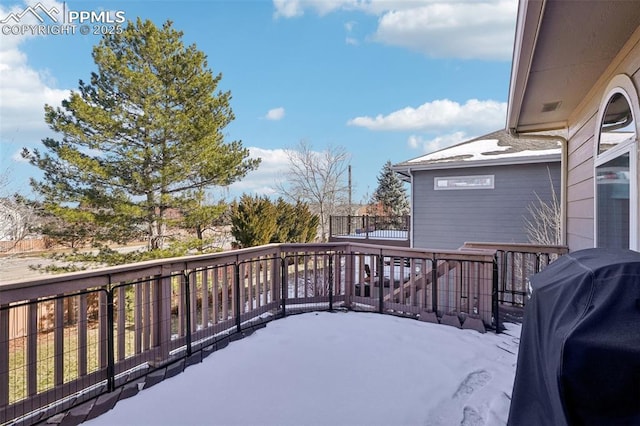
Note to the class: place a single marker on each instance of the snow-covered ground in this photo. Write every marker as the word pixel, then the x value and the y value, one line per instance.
pixel 338 369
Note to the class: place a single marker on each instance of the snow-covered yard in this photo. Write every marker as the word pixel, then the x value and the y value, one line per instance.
pixel 339 369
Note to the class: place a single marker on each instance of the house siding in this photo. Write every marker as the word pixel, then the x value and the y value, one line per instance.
pixel 446 219
pixel 581 148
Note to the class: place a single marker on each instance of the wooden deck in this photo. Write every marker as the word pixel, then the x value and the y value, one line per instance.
pixel 69 338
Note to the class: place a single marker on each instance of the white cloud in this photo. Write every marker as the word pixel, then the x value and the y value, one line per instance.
pixel 439 115
pixel 348 26
pixel 287 8
pixel 467 29
pixel 474 30
pixel 24 90
pixel 350 39
pixel 264 180
pixel 275 114
pixel 294 8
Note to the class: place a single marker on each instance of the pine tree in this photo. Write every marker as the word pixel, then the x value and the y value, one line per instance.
pixel 253 221
pixel 257 220
pixel 200 216
pixel 296 223
pixel 143 132
pixel 390 194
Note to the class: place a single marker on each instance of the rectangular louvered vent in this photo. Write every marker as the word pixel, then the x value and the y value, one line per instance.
pixel 551 106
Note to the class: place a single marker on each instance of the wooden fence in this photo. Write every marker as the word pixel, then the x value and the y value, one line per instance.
pixel 22 246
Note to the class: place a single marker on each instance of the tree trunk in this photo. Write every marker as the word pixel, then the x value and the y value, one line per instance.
pixel 154 224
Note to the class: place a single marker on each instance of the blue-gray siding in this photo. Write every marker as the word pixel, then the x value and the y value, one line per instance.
pixel 446 219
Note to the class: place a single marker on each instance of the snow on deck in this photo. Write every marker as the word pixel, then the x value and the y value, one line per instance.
pixel 338 369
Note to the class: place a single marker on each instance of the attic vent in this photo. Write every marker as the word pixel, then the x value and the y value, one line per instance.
pixel 551 106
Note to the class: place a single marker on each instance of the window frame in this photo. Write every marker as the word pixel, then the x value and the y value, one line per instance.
pixel 620 84
pixel 437 179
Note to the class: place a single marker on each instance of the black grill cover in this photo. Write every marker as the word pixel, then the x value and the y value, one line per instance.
pixel 579 356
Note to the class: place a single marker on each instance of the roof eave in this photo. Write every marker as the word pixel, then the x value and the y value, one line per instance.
pixel 407 168
pixel 539 127
pixel 527 30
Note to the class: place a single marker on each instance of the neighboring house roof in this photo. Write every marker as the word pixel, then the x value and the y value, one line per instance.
pixel 561 50
pixel 497 148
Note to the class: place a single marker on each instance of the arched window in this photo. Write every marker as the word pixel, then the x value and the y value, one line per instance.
pixel 616 183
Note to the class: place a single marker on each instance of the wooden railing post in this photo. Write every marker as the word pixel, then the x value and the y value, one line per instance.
pixel 146 313
pixel 284 267
pixel 104 326
pixel 349 275
pixel 496 305
pixel 32 348
pixel 58 342
pixel 4 358
pixel 434 284
pixel 187 304
pixel 82 335
pixel 331 281
pixel 381 282
pixel 161 313
pixel 236 290
pixel 206 294
pixel 276 277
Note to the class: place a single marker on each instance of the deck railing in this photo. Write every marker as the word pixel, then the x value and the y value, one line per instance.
pixel 516 263
pixel 66 339
pixel 370 227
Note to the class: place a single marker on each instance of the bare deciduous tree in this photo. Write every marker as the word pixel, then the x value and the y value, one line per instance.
pixel 16 217
pixel 318 178
pixel 543 226
pixel 14 220
pixel 4 181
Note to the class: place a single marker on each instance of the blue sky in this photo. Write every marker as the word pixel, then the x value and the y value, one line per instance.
pixel 387 80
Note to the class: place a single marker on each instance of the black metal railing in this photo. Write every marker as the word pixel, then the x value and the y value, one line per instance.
pixel 370 227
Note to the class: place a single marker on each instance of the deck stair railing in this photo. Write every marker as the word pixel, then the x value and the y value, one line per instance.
pixel 516 263
pixel 67 339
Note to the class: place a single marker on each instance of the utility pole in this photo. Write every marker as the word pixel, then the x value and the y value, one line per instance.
pixel 349 172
